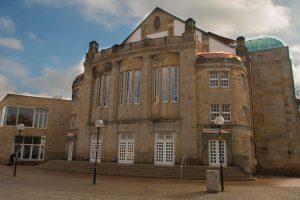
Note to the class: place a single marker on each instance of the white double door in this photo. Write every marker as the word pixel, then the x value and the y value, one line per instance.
pixel 126 148
pixel 214 152
pixel 164 148
pixel 94 147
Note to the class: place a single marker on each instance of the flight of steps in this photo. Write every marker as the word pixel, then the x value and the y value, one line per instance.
pixel 143 170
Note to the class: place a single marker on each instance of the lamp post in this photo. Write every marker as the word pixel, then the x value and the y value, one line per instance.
pixel 219 121
pixel 98 124
pixel 20 128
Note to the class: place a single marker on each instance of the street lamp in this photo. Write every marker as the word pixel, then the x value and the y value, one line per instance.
pixel 20 128
pixel 98 124
pixel 219 121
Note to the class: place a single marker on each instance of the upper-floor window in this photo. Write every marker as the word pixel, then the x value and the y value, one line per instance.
pixel 128 86
pixel 137 87
pixel 220 110
pixel 99 91
pixel 174 85
pixel 75 94
pixel 217 79
pixel 122 78
pixel 165 84
pixel 73 121
pixel 213 79
pixel 30 117
pixel 225 79
pixel 41 118
pixel 169 84
pixel 156 85
pixel 106 90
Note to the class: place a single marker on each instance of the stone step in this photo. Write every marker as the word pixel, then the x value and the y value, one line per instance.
pixel 143 170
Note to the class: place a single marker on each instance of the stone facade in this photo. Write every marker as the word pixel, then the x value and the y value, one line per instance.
pixel 187 119
pixel 54 132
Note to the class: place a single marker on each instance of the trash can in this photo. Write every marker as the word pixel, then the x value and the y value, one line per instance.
pixel 212 181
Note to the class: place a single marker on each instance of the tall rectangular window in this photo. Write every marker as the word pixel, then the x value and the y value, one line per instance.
pixel 226 113
pixel 122 88
pixel 213 79
pixel 224 79
pixel 73 121
pixel 41 118
pixel 174 86
pixel 156 84
pixel 128 86
pixel 214 111
pixel 99 90
pixel 106 92
pixel 165 84
pixel 137 86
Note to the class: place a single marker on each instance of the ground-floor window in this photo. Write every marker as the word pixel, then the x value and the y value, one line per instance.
pixel 126 148
pixel 214 153
pixel 30 148
pixel 164 148
pixel 94 148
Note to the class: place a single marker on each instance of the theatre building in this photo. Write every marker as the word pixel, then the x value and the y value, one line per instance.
pixel 158 94
pixel 46 121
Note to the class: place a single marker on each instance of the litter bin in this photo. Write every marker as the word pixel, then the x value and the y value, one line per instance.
pixel 212 181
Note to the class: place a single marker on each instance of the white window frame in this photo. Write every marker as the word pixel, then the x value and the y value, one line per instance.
pixel 226 112
pixel 73 121
pixel 126 140
pixel 164 139
pixel 128 86
pixel 137 87
pixel 106 90
pixel 214 111
pixel 156 84
pixel 165 84
pixel 41 146
pixel 99 91
pixel 174 83
pixel 224 75
pixel 122 79
pixel 214 79
pixel 38 114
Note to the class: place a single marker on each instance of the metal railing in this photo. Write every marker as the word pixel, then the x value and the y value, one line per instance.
pixel 182 162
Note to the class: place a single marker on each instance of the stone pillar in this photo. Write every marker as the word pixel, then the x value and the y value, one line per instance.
pixel 190 30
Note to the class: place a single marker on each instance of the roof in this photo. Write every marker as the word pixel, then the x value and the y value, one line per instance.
pixel 218 37
pixel 264 43
pixel 218 54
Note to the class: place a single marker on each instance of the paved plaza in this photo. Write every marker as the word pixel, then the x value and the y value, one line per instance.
pixel 32 183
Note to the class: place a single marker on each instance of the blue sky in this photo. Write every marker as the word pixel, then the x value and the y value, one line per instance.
pixel 43 42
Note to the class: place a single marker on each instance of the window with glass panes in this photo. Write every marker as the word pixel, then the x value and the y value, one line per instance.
pixel 226 113
pixel 223 110
pixel 106 90
pixel 128 86
pixel 156 85
pixel 30 148
pixel 224 79
pixel 213 79
pixel 174 85
pixel 41 118
pixel 122 91
pixel 165 84
pixel 137 87
pixel 214 111
pixel 99 91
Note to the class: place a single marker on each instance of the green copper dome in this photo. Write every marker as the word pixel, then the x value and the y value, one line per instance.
pixel 263 44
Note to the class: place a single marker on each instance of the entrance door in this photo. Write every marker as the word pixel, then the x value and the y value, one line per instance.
pixel 164 148
pixel 94 147
pixel 214 153
pixel 70 150
pixel 126 148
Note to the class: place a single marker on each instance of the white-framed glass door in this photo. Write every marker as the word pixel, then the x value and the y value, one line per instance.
pixel 214 153
pixel 30 147
pixel 126 148
pixel 94 147
pixel 164 148
pixel 70 150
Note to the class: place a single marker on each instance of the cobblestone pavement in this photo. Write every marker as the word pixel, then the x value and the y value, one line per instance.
pixel 32 183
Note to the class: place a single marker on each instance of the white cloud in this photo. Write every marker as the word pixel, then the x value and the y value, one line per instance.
pixel 55 81
pixel 244 16
pixel 7 24
pixel 11 43
pixel 5 87
pixel 12 68
pixel 295 52
pixel 34 37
